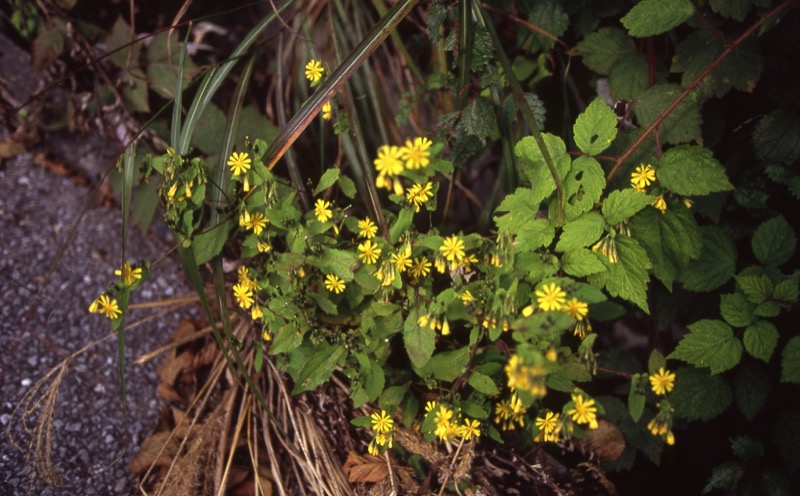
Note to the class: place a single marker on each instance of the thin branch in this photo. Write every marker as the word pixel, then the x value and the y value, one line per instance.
pixel 699 79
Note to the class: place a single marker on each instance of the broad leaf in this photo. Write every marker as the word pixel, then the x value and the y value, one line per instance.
pixel 535 167
pixel 712 344
pixel 760 339
pixel 419 341
pixel 776 138
pixel 581 263
pixel 595 128
pixel 790 363
pixel 692 171
pixel 652 17
pixel 682 125
pixel 623 204
pixel 774 242
pixel 637 395
pixel 583 187
pixel 583 231
pixel 327 180
pixel 736 310
pixel 628 277
pixel 698 395
pixel 750 389
pixel 716 264
pixel 602 49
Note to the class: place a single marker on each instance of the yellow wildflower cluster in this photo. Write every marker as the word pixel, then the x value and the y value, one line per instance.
pixel 393 160
pixel 334 284
pixel 435 323
pixel 510 413
pixel 523 377
pixel 255 222
pixel 322 210
pixel 661 424
pixel 106 306
pixel 642 177
pixel 129 275
pixel 383 426
pixel 419 194
pixel 662 381
pixel 551 297
pixel 314 71
pixel 584 410
pixel 607 247
pixel 448 424
pixel 549 427
pixel 244 289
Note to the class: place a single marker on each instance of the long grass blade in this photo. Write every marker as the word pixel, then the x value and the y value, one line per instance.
pixel 177 104
pixel 119 326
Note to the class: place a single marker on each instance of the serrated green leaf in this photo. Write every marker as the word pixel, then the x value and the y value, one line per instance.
pixel 623 204
pixel 692 171
pixel 790 361
pixel 747 449
pixel 750 388
pixel 628 277
pixel 479 119
pixel 325 304
pixel 776 138
pixel 736 310
pixel 698 395
pixel 757 287
pixel 583 231
pixel 672 239
pixel 774 242
pixel 724 476
pixel 595 128
pixel 786 291
pixel 768 309
pixel 741 69
pixel 339 262
pixel 637 396
pixel 534 166
pixel 735 9
pixel 682 125
pixel 583 187
pixel 522 205
pixel 419 341
pixel 208 244
pixel 656 361
pixel 319 367
pixel 482 383
pixel 716 264
pixel 581 263
pixel 630 76
pixel 327 180
pixel 392 396
pixel 652 17
pixel 710 343
pixel 602 49
pixel 760 339
pixel 446 366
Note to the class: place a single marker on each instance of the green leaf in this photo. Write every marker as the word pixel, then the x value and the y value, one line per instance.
pixel 692 171
pixel 522 205
pixel 340 262
pixel 163 55
pixel 602 49
pixel 776 138
pixel 652 17
pixel 327 180
pixel 757 287
pixel 774 242
pixel 628 277
pixel 534 166
pixel 768 309
pixel 583 187
pixel 319 367
pixel 624 203
pixel 595 128
pixel 656 362
pixel 711 344
pixel 348 187
pixel 725 476
pixel 446 366
pixel 208 244
pixel 741 69
pixel 482 383
pixel 716 264
pixel 760 339
pixel 750 389
pixel 671 239
pixel 698 395
pixel 790 361
pixel 583 231
pixel 581 263
pixel 479 119
pixel 400 227
pixel 550 16
pixel 370 381
pixel 735 9
pixel 637 396
pixel 419 341
pixel 630 76
pixel 119 36
pixel 737 311
pixel 786 291
pixel 681 125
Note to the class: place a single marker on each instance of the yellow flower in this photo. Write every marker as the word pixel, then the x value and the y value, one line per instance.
pixel 257 221
pixel 662 382
pixel 576 309
pixel 642 177
pixel 129 274
pixel 327 111
pixel 469 429
pixel 453 249
pixel 322 209
pixel 550 297
pixel 243 293
pixel 239 163
pixel 688 203
pixel 263 247
pixel 256 312
pixel 388 162
pixel 445 328
pixel 467 298
pixel 420 268
pixel 334 284
pixel 443 416
pixel 367 229
pixel 386 273
pixel 548 427
pixel 381 423
pixel 419 194
pixel 402 260
pixel 416 153
pixel 314 70
pixel 369 252
pixel 429 406
pixel 106 306
pixel 265 335
pixel 584 411
pixel 660 204
pixel 528 310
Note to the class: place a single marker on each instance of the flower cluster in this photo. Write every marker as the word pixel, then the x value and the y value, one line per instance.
pixel 510 413
pixel 106 306
pixel 383 426
pixel 449 425
pixel 661 424
pixel 552 298
pixel 524 377
pixel 393 160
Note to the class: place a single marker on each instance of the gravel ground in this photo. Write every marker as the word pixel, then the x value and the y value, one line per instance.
pixel 43 319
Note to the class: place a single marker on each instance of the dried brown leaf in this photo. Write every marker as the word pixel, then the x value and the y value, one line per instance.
pixel 368 468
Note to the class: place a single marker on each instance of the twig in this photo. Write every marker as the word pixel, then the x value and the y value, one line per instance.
pixel 727 51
